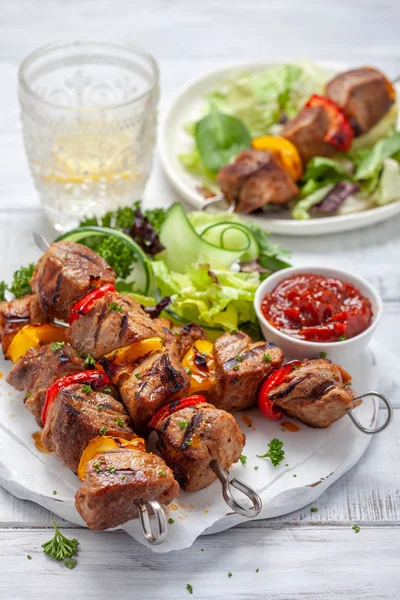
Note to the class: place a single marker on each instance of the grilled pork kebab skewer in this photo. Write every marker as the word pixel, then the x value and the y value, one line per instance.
pixel 354 102
pixel 163 377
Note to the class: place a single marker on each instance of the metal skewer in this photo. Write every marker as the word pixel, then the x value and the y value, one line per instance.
pixel 245 511
pixel 388 416
pixel 157 537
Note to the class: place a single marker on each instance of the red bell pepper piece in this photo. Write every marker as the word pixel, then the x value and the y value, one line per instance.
pixel 340 132
pixel 276 378
pixel 95 378
pixel 88 301
pixel 173 407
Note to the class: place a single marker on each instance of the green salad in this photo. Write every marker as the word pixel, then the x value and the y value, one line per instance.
pixel 209 266
pixel 249 105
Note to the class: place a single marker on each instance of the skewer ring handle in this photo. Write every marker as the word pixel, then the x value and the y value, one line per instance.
pixel 245 511
pixel 388 416
pixel 214 200
pixel 158 535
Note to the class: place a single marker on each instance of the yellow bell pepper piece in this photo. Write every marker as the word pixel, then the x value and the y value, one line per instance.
pixel 134 351
pixel 284 151
pixel 202 377
pixel 103 444
pixel 33 336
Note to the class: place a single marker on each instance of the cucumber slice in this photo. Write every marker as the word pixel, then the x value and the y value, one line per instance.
pixel 232 236
pixel 140 277
pixel 185 247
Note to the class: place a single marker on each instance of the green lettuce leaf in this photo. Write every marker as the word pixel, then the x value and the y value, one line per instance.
pixel 371 162
pixel 301 209
pixel 388 189
pixel 319 173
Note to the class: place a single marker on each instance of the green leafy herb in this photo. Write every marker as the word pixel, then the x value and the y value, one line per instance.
pixel 156 216
pixel 138 375
pixel 356 528
pixel 267 357
pixel 20 285
pixel 229 574
pixel 86 388
pixel 256 468
pixel 89 361
pixel 54 492
pixel 116 307
pixel 118 255
pixel 189 588
pixel 295 367
pixel 123 477
pixel 313 509
pixel 106 390
pixel 342 338
pixel 29 557
pixel 162 473
pixel 275 453
pixel 188 371
pixel 70 563
pixel 57 346
pixel 119 422
pixel 96 466
pixel 236 367
pixel 3 289
pixel 27 395
pixel 171 521
pixel 103 430
pixel 60 547
pixel 257 570
pixel 183 425
pixel 243 459
pixel 323 354
pixel 112 469
pixel 219 138
pixel 99 407
pixel 239 358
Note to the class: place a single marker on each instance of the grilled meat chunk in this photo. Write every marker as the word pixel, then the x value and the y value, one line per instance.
pixel 114 321
pixel 307 131
pixel 65 273
pixel 364 95
pixel 77 417
pixel 26 310
pixel 240 367
pixel 186 336
pixel 189 439
pixel 149 384
pixel 109 495
pixel 315 393
pixel 254 179
pixel 38 369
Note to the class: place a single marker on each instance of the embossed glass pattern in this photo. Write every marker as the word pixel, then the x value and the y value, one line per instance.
pixel 89 120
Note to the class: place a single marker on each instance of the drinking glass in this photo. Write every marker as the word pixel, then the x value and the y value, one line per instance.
pixel 89 112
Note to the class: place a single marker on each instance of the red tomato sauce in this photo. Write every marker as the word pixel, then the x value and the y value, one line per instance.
pixel 317 309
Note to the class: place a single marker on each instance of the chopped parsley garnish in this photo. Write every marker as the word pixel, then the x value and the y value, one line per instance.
pixel 96 466
pixel 103 430
pixel 27 395
pixel 123 477
pixel 229 574
pixel 275 452
pixel 323 354
pixel 99 407
pixel 294 475
pixel 356 528
pixel 188 371
pixel 257 570
pixel 243 459
pixel 57 346
pixel 183 425
pixel 70 563
pixel 267 357
pixel 138 375
pixel 313 509
pixel 236 368
pixel 3 289
pixel 116 307
pixel 107 390
pixel 86 389
pixel 54 492
pixel 162 473
pixel 294 366
pixel 189 588
pixel 83 409
pixel 20 285
pixel 60 547
pixel 188 442
pixel 171 521
pixel 112 469
pixel 89 361
pixel 342 338
pixel 119 422
pixel 239 358
pixel 256 468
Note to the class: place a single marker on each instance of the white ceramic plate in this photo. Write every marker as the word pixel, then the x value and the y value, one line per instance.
pixel 315 459
pixel 174 141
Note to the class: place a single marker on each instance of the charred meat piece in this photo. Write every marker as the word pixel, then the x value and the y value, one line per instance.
pixel 114 321
pixel 16 314
pixel 315 393
pixel 189 439
pixel 241 366
pixel 65 273
pixel 254 179
pixel 77 417
pixel 149 384
pixel 307 131
pixel 364 95
pixel 38 369
pixel 186 336
pixel 116 481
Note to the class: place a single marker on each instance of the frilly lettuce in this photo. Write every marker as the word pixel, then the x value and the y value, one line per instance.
pixel 388 189
pixel 217 298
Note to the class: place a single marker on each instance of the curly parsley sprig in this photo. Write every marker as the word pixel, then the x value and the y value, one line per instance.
pixel 60 547
pixel 275 452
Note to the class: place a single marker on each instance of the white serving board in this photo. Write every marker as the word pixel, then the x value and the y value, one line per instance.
pixel 316 456
pixel 188 106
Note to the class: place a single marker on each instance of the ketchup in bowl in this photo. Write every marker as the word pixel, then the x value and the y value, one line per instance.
pixel 317 309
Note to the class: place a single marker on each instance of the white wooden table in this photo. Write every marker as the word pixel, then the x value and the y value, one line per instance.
pixel 302 555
